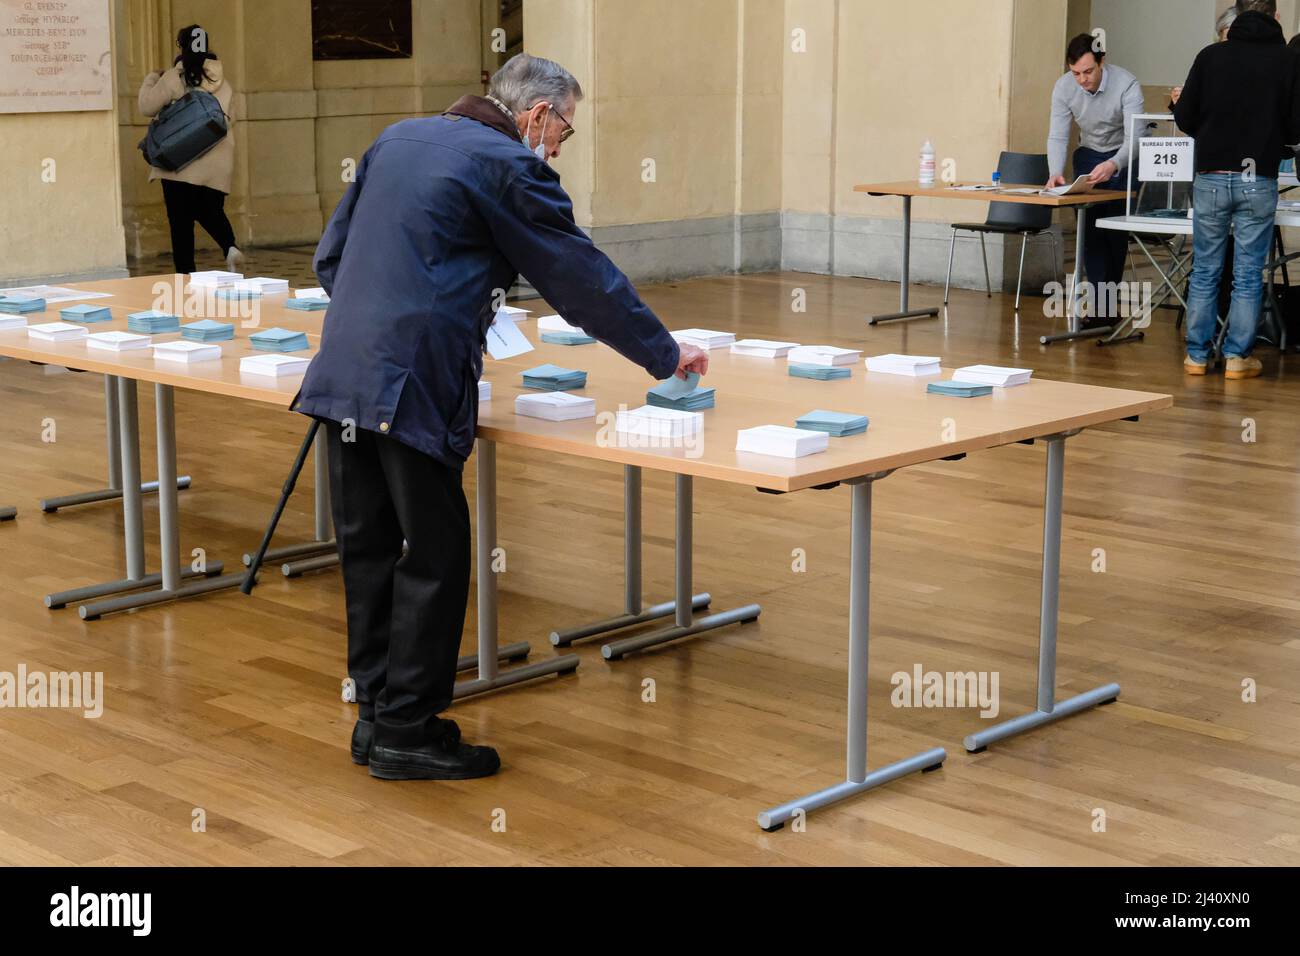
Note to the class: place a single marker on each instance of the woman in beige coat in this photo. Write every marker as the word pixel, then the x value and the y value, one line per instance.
pixel 196 193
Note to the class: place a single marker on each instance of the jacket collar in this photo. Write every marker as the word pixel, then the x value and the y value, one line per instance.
pixel 487 112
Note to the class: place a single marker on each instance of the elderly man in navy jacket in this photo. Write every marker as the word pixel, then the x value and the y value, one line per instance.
pixel 444 212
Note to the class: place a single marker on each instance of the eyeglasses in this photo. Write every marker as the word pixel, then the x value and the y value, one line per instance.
pixel 568 127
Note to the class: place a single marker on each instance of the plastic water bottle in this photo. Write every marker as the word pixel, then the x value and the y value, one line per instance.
pixel 997 179
pixel 927 165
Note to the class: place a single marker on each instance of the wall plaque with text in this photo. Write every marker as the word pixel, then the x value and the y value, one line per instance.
pixel 55 55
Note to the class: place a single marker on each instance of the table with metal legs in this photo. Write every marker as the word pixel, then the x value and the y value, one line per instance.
pixel 1075 290
pixel 126 408
pixel 322 551
pixel 490 654
pixel 1049 709
pixel 114 444
pixel 857 778
pixel 683 607
pixel 633 611
pixel 170 586
pixel 904 313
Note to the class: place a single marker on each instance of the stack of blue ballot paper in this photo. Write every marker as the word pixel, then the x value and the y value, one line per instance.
pixel 685 395
pixel 152 322
pixel 553 378
pixel 206 330
pixel 86 314
pixel 959 389
pixel 21 304
pixel 822 373
pixel 279 340
pixel 307 303
pixel 567 338
pixel 835 424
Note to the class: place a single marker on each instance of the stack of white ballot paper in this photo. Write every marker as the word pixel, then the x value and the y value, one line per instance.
pixel 995 375
pixel 657 422
pixel 56 332
pixel 555 406
pixel 273 365
pixel 186 353
pixel 913 365
pixel 762 348
pixel 781 441
pixel 215 278
pixel 12 322
pixel 316 293
pixel 556 323
pixel 823 355
pixel 263 285
pixel 484 390
pixel 118 341
pixel 704 338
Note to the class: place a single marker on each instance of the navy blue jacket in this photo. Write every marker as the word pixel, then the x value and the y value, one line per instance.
pixel 445 210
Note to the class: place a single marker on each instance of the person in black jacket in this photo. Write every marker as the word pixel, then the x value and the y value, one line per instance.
pixel 1242 105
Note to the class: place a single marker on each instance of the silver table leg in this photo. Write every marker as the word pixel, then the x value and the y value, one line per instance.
pixel 126 407
pixel 490 653
pixel 1049 710
pixel 633 612
pixel 904 313
pixel 683 608
pixel 114 490
pixel 322 552
pixel 172 573
pixel 1076 284
pixel 1168 280
pixel 857 779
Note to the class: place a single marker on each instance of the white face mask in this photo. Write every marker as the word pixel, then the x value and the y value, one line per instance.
pixel 540 149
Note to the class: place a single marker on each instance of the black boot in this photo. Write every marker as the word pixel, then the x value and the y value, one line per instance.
pixel 362 734
pixel 443 757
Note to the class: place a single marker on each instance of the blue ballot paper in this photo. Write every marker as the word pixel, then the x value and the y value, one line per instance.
pixel 152 322
pixel 307 304
pixel 21 305
pixel 686 394
pixel 553 378
pixel 206 330
pixel 567 338
pixel 279 340
pixel 836 424
pixel 674 387
pixel 959 389
pixel 86 314
pixel 822 373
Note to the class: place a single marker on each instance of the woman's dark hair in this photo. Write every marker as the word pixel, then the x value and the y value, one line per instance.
pixel 1081 46
pixel 193 41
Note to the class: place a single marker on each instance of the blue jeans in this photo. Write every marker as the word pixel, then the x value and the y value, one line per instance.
pixel 1225 202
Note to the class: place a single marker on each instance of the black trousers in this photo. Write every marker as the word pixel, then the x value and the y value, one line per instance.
pixel 187 204
pixel 405 612
pixel 1104 250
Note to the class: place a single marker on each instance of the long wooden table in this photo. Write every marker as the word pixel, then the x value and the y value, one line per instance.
pixel 907 190
pixel 908 426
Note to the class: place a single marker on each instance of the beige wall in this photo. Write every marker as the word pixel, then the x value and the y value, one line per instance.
pixel 61 213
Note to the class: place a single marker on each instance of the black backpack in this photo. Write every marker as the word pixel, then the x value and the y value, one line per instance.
pixel 184 130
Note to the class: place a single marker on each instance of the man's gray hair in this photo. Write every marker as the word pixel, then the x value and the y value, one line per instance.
pixel 526 80
pixel 1226 19
pixel 1268 7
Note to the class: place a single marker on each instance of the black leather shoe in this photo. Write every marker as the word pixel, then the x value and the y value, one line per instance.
pixel 362 734
pixel 444 757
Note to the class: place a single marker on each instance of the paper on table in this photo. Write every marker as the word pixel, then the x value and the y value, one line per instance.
pixel 54 293
pixel 674 387
pixel 506 340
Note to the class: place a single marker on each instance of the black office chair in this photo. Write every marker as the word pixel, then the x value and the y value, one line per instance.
pixel 1010 218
